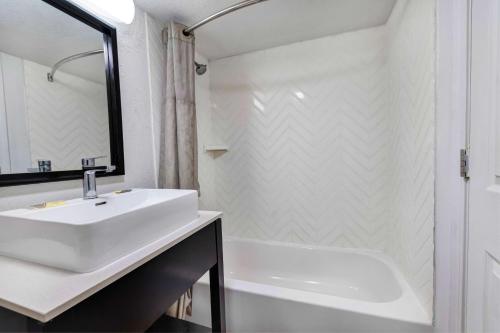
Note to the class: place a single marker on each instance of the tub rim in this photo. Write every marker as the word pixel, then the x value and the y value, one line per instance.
pixel 406 308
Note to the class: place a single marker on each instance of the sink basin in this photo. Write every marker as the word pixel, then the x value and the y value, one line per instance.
pixel 85 235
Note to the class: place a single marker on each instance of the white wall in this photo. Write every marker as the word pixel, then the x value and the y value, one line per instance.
pixel 331 142
pixel 14 116
pixel 138 145
pixel 411 61
pixel 4 138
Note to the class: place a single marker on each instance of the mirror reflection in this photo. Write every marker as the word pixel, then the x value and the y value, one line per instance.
pixel 53 96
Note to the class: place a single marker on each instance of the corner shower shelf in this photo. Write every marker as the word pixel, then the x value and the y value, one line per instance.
pixel 216 148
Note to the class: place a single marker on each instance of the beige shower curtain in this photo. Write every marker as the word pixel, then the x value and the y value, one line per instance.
pixel 178 168
pixel 178 144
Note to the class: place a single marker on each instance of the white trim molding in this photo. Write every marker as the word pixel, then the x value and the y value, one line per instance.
pixel 451 119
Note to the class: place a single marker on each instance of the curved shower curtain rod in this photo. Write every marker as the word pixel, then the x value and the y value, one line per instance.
pixel 50 76
pixel 201 68
pixel 223 12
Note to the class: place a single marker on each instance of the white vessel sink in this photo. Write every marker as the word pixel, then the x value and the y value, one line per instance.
pixel 85 235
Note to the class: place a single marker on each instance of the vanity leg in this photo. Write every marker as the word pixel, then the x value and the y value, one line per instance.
pixel 217 300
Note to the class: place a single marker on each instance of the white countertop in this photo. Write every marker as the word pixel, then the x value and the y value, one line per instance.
pixel 43 293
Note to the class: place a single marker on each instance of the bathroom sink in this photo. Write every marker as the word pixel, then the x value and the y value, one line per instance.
pixel 85 235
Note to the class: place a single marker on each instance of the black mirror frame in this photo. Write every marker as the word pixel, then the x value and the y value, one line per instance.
pixel 110 47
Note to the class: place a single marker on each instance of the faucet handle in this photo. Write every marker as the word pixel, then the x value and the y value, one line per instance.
pixel 109 168
pixel 89 162
pixel 92 172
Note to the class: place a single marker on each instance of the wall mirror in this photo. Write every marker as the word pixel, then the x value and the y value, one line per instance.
pixel 59 92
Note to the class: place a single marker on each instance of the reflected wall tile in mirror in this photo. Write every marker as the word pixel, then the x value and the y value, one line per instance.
pixel 61 121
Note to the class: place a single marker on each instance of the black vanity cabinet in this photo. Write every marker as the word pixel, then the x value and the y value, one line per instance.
pixel 138 300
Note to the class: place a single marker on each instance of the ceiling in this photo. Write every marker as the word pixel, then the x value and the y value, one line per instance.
pixel 270 23
pixel 33 30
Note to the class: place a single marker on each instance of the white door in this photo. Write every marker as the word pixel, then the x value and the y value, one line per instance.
pixel 483 259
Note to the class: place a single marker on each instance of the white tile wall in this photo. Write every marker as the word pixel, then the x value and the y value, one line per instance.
pixel 331 142
pixel 205 137
pixel 412 106
pixel 307 125
pixel 67 118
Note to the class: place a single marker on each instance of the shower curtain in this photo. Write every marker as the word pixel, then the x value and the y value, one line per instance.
pixel 178 167
pixel 178 143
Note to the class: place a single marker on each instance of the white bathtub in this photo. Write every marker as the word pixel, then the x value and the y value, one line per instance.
pixel 276 287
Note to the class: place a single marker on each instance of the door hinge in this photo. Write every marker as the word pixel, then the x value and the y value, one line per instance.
pixel 464 164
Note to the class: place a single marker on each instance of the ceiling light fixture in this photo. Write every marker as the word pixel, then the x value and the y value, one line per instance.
pixel 117 10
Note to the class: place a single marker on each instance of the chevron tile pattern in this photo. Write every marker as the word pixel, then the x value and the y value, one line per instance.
pixel 204 122
pixel 308 130
pixel 412 95
pixel 331 142
pixel 67 119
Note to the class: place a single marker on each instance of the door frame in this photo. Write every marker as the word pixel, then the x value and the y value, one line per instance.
pixel 452 109
pixel 484 189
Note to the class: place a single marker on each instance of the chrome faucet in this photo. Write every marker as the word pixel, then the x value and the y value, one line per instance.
pixel 89 182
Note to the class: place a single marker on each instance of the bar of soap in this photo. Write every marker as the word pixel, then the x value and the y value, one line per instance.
pixel 54 204
pixel 122 191
pixel 49 204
